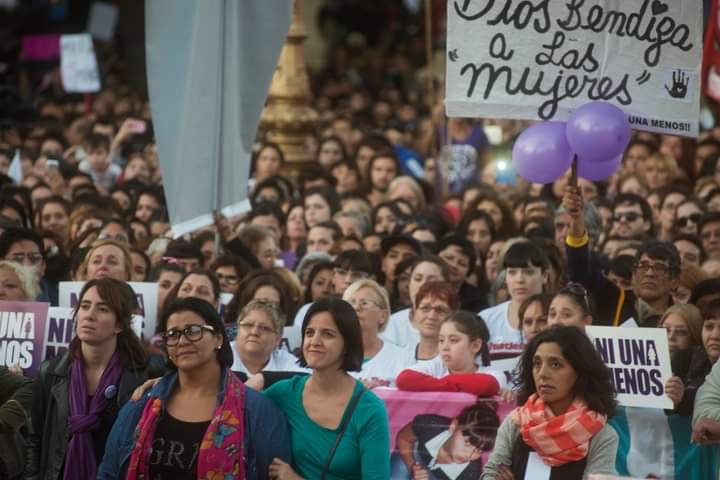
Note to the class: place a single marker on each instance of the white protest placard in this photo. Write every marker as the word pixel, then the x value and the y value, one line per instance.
pixel 639 363
pixel 78 65
pixel 102 20
pixel 147 296
pixel 540 59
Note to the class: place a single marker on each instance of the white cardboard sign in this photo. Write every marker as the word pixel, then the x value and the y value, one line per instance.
pixel 639 363
pixel 78 65
pixel 540 59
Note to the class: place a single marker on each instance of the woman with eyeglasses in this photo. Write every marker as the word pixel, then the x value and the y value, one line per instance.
pixel 570 307
pixel 256 347
pixel 565 399
pixel 382 360
pixel 433 303
pixel 77 395
pixel 199 421
pixel 230 270
pixel 688 214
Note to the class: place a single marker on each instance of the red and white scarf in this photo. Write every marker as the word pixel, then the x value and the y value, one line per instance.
pixel 557 439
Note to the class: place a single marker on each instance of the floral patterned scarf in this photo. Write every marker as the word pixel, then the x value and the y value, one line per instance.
pixel 221 450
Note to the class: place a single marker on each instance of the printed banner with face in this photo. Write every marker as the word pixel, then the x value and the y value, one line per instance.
pixel 639 363
pixel 422 424
pixel 147 296
pixel 540 59
pixel 22 333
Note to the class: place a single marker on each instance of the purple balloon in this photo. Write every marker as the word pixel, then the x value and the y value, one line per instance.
pixel 597 131
pixel 596 171
pixel 541 153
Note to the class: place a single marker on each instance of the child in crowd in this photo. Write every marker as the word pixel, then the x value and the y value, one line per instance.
pixel 97 164
pixel 461 365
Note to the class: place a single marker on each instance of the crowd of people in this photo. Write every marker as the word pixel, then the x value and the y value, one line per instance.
pixel 398 258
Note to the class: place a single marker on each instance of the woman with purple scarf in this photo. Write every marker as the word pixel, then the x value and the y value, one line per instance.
pixel 78 394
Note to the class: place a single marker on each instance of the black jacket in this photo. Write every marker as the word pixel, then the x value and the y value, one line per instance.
pixel 15 400
pixel 49 433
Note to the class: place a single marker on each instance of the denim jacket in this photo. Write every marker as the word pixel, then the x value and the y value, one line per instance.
pixel 266 431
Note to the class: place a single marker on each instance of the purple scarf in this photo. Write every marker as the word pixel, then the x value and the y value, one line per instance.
pixel 80 459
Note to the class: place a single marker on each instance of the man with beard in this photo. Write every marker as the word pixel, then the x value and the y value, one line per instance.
pixel 655 272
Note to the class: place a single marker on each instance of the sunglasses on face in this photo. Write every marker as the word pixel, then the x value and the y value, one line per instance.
pixel 629 216
pixel 684 221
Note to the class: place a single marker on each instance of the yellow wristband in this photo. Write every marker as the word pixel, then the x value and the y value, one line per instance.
pixel 577 242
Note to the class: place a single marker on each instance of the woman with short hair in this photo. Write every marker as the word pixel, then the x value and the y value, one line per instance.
pixel 330 406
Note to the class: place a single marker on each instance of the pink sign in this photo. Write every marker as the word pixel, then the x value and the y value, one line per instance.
pixel 422 424
pixel 22 334
pixel 40 47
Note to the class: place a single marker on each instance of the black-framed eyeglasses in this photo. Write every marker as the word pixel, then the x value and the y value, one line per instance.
pixel 32 258
pixel 683 221
pixel 629 216
pixel 193 333
pixel 229 279
pixel 645 267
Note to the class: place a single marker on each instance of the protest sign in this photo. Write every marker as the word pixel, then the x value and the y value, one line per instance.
pixel 421 422
pixel 147 296
pixel 78 65
pixel 59 331
pixel 540 59
pixel 639 363
pixel 22 332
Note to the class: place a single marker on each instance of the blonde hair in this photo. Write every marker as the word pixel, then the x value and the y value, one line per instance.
pixel 379 292
pixel 28 277
pixel 271 309
pixel 414 186
pixel 693 319
pixel 127 261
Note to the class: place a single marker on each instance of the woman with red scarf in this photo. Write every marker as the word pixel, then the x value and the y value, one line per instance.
pixel 561 426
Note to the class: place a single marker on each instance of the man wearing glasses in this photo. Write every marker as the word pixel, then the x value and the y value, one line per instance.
pixel 25 247
pixel 655 272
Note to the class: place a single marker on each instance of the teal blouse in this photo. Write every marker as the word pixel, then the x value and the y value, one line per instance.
pixel 363 452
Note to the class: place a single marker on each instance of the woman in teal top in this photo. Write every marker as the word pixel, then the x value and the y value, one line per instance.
pixel 316 405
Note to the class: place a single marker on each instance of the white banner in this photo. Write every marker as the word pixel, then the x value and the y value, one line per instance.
pixel 209 66
pixel 540 59
pixel 639 363
pixel 78 65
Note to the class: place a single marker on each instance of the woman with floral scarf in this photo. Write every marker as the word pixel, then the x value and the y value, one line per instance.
pixel 565 399
pixel 198 422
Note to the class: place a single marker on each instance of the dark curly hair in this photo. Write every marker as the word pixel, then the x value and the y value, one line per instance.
pixel 593 378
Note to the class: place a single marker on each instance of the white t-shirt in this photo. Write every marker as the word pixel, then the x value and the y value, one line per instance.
pixel 505 341
pixel 386 364
pixel 400 330
pixel 280 361
pixel 437 369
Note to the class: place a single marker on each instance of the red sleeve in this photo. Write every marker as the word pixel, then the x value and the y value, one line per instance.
pixel 479 384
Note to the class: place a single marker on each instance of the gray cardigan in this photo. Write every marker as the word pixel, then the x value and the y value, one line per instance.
pixel 600 459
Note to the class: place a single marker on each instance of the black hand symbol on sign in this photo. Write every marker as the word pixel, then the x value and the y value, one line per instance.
pixel 679 85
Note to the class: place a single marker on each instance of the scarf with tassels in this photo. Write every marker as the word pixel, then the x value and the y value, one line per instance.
pixel 221 450
pixel 557 439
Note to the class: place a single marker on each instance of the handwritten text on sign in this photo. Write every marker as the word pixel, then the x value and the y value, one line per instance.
pixel 639 363
pixel 540 59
